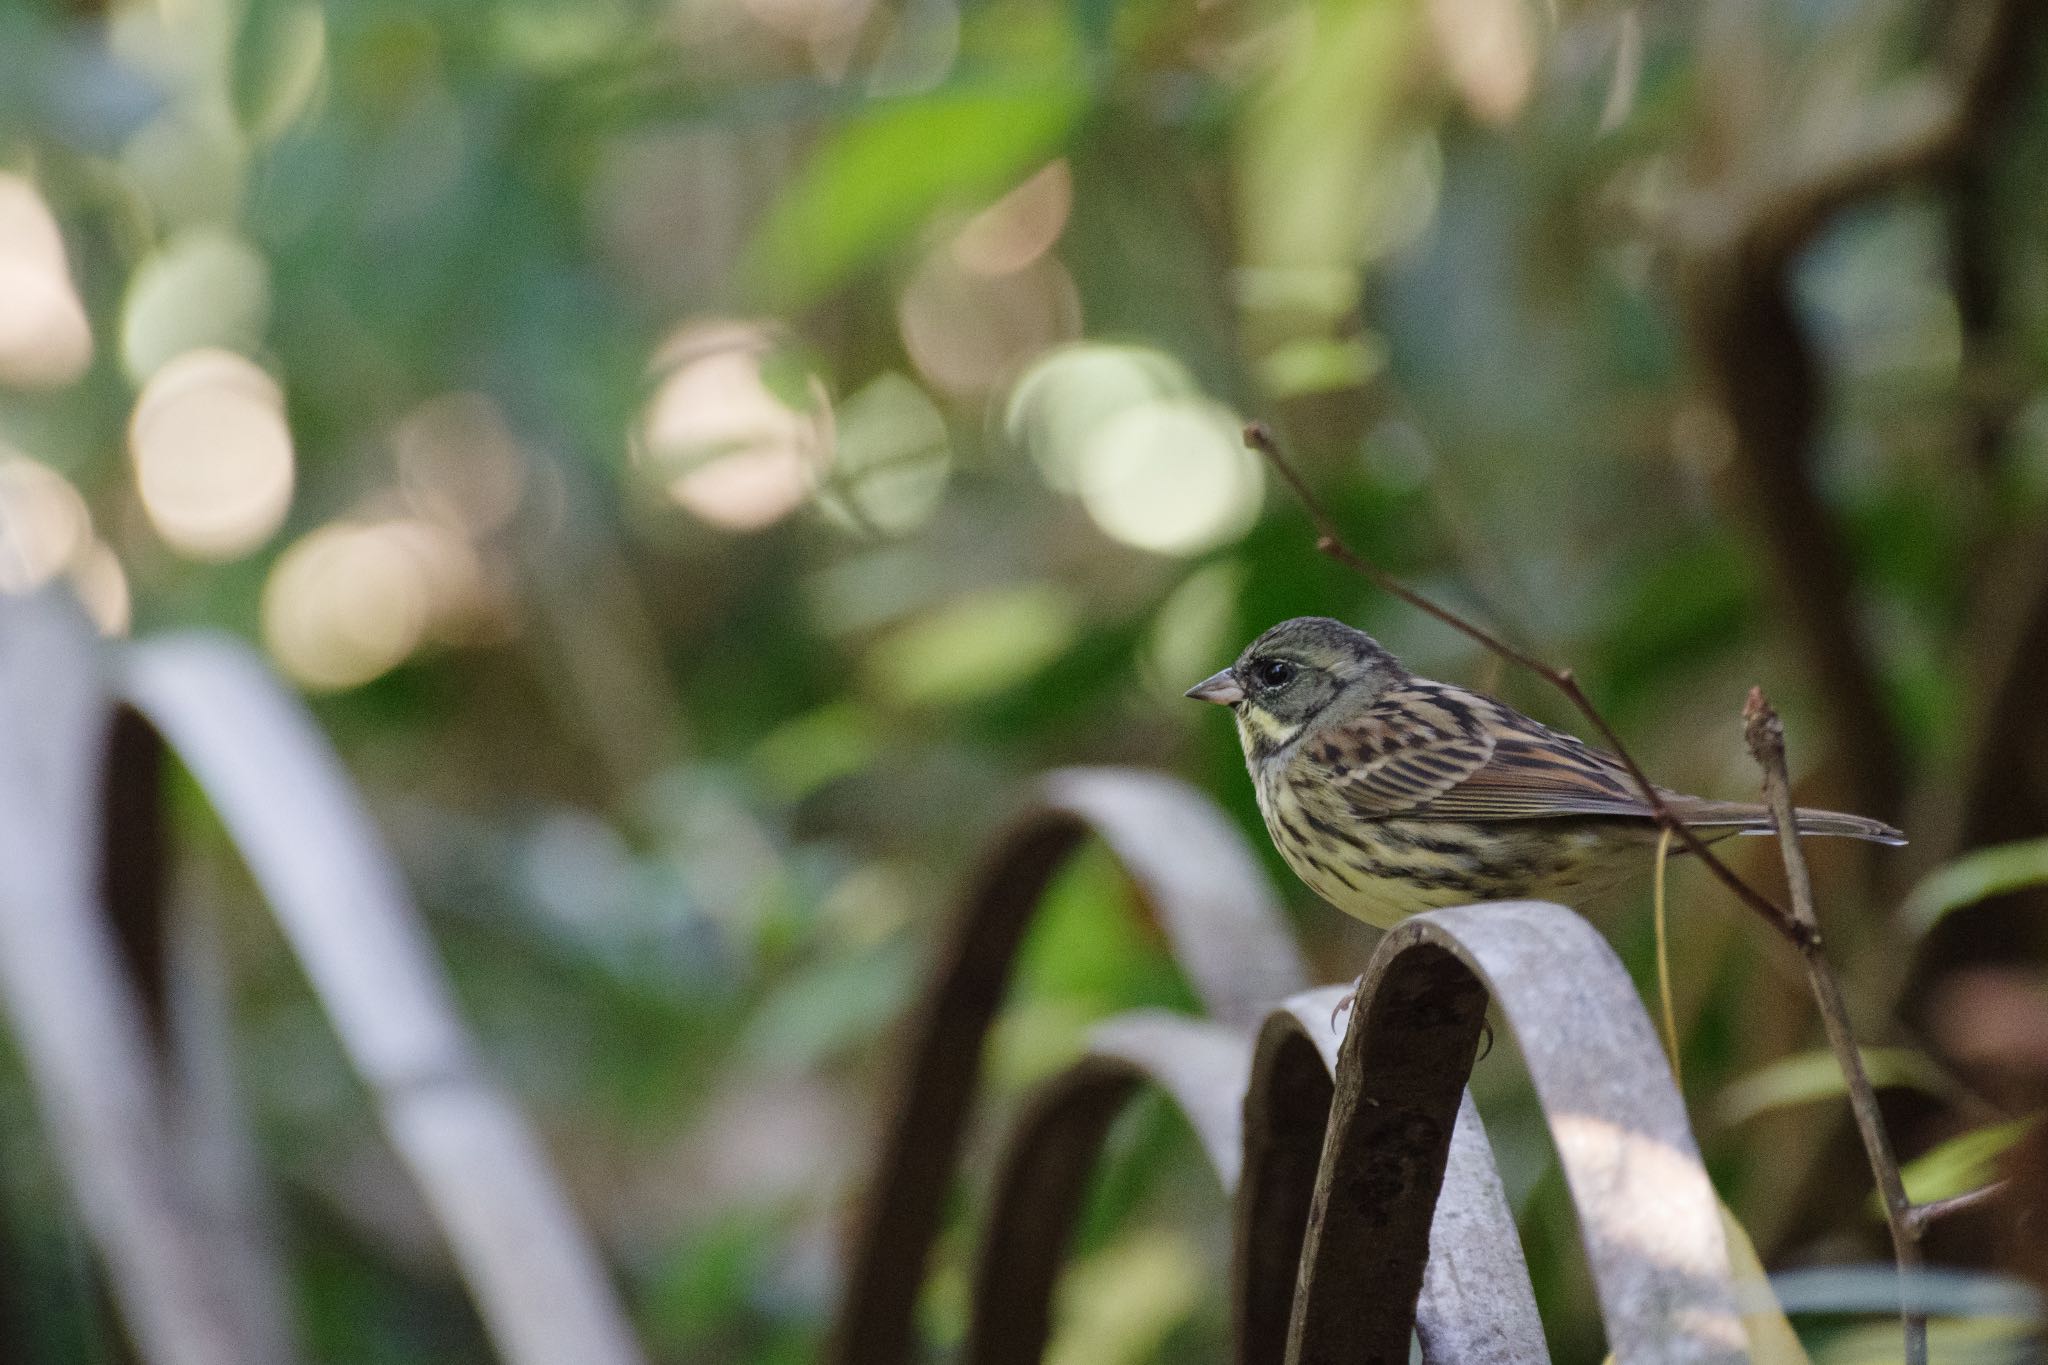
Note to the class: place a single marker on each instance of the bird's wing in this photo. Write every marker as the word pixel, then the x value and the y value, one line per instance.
pixel 1534 772
pixel 1405 751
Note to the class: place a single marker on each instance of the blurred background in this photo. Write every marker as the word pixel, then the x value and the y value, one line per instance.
pixel 702 457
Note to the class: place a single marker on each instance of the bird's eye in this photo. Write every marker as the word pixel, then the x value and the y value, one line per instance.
pixel 1273 672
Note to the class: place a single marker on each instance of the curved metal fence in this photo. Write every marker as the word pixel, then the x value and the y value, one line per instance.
pixel 1367 1207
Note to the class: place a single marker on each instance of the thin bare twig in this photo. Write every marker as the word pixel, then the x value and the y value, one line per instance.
pixel 1920 1216
pixel 1330 541
pixel 1766 735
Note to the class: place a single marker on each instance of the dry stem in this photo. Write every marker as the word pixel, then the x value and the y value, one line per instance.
pixel 1260 437
pixel 1919 1216
pixel 1766 736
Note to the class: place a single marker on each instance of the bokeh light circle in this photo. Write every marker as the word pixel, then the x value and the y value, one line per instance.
pixel 1062 399
pixel 44 525
pixel 45 340
pixel 350 601
pixel 1171 475
pixel 726 444
pixel 212 454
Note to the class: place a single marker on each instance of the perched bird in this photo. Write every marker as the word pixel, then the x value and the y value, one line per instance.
pixel 1389 794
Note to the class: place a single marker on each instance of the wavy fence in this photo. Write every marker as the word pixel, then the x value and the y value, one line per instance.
pixel 1367 1208
pixel 105 990
pixel 1367 1205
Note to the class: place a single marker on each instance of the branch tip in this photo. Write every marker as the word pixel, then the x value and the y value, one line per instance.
pixel 1764 730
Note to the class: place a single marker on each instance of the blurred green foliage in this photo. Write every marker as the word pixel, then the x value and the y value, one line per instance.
pixel 845 398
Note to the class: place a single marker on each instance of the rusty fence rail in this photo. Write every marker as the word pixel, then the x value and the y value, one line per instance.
pixel 104 983
pixel 1367 1209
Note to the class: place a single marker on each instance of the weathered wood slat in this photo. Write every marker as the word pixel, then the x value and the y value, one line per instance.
pixel 282 794
pixel 82 1024
pixel 1210 900
pixel 1216 910
pixel 1042 1176
pixel 223 1165
pixel 1475 1304
pixel 1646 1209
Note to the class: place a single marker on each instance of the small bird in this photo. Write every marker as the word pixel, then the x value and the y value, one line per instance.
pixel 1390 794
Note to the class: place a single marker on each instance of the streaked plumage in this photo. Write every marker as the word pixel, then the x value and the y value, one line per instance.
pixel 1388 793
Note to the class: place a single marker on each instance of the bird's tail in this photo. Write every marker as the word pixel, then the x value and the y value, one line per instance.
pixel 1737 817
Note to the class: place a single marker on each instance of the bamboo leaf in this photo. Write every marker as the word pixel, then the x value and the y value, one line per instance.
pixel 1771 1338
pixel 1806 1077
pixel 1963 1163
pixel 1948 1339
pixel 1975 877
pixel 871 184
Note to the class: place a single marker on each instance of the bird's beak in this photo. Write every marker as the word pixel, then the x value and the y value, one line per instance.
pixel 1220 688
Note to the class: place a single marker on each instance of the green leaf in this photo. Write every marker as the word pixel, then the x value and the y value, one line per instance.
pixel 279 62
pixel 1309 365
pixel 1975 877
pixel 1805 1077
pixel 1771 1338
pixel 872 183
pixel 1120 1305
pixel 819 746
pixel 1948 1339
pixel 205 287
pixel 977 645
pixel 1962 1163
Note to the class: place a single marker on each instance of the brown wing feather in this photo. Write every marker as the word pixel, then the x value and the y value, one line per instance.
pixel 1535 772
pixel 1407 749
pixel 1429 750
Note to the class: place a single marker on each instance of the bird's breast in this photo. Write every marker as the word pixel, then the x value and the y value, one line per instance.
pixel 1383 870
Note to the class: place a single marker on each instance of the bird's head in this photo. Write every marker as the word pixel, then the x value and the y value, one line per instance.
pixel 1295 673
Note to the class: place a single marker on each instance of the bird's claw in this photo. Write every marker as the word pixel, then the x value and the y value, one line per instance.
pixel 1343 1006
pixel 1349 1001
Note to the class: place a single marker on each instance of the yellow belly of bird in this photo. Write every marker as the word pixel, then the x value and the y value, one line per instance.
pixel 1384 870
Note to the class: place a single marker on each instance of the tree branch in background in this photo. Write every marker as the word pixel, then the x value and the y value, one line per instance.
pixel 1987 804
pixel 1913 133
pixel 1768 383
pixel 1966 175
pixel 2013 645
pixel 1738 258
pixel 1737 243
pixel 1766 736
pixel 2012 648
pixel 1330 541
